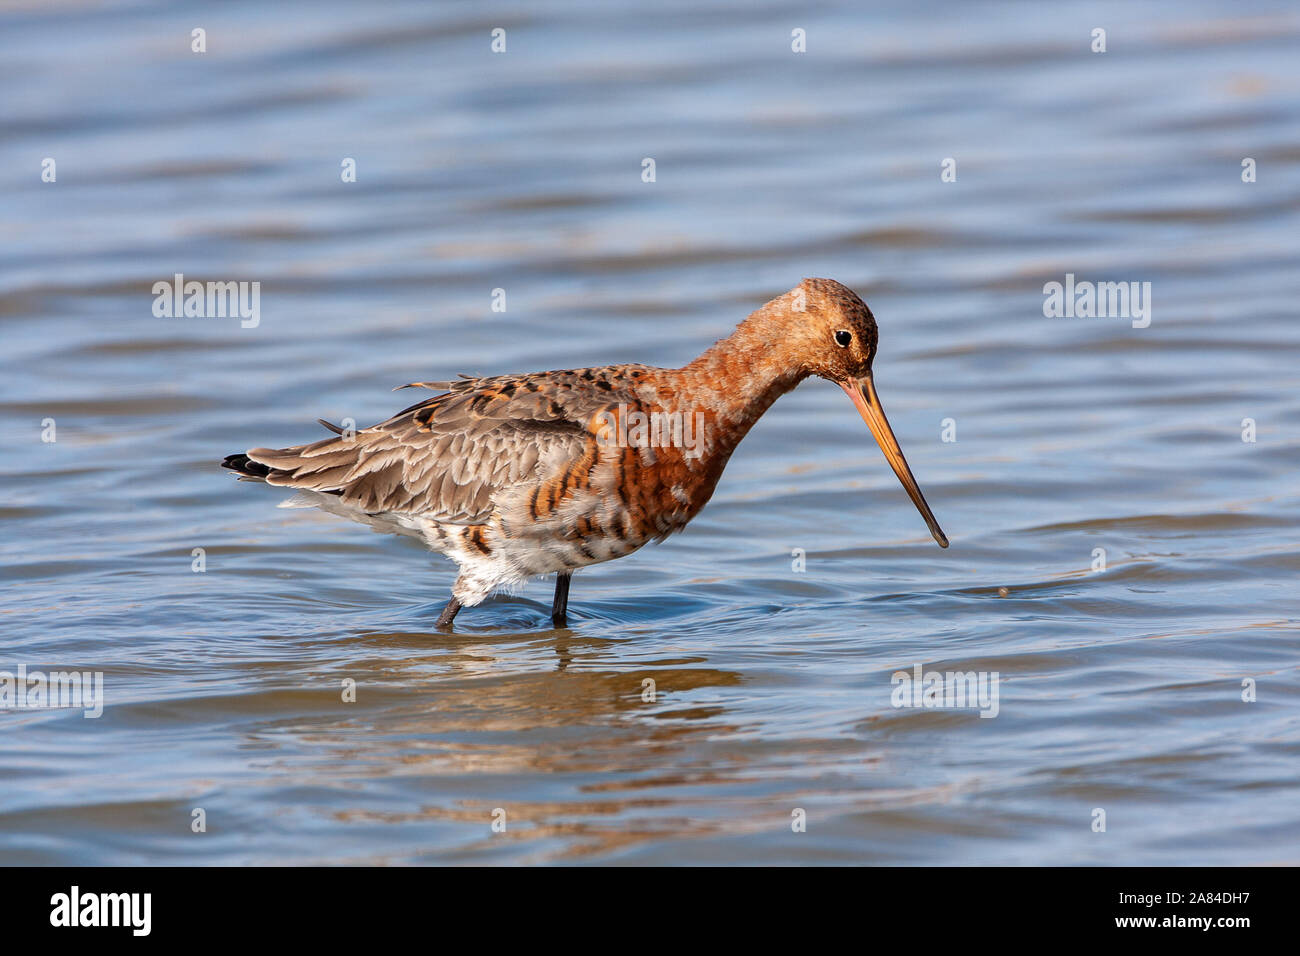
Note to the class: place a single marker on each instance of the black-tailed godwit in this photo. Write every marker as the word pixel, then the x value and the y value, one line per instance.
pixel 522 475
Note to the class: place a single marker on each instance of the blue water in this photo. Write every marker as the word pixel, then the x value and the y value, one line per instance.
pixel 1120 689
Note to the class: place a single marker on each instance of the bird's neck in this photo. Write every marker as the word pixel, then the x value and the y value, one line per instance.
pixel 737 379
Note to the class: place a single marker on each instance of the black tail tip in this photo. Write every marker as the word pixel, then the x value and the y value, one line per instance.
pixel 245 466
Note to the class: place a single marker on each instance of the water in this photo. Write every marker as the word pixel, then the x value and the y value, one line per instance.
pixel 1120 689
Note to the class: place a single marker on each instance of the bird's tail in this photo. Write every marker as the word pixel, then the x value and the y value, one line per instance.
pixel 247 469
pixel 318 466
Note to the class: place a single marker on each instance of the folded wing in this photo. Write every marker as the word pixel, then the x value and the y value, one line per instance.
pixel 447 458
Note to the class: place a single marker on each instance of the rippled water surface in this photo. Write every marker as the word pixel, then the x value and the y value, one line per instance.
pixel 1120 689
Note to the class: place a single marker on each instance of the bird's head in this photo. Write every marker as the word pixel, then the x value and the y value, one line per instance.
pixel 831 333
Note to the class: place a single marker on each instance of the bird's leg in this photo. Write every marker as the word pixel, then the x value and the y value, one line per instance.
pixel 561 604
pixel 448 614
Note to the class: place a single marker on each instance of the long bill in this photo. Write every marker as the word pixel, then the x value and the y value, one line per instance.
pixel 863 393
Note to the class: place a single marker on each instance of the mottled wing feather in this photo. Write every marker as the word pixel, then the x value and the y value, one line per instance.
pixel 447 458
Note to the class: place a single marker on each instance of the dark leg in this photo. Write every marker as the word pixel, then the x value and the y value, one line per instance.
pixel 561 603
pixel 448 614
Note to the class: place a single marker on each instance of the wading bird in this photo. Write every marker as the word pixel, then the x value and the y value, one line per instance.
pixel 522 475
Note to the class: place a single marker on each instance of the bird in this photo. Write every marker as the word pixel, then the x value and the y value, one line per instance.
pixel 513 477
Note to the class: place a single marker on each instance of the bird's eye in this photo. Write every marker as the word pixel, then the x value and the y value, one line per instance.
pixel 843 337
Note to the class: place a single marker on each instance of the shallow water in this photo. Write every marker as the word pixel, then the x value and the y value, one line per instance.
pixel 1120 689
